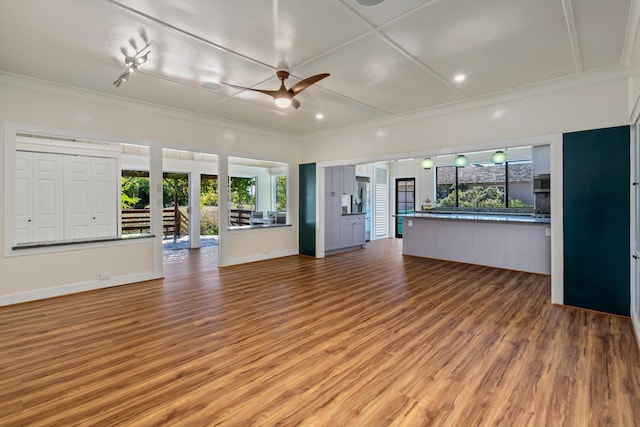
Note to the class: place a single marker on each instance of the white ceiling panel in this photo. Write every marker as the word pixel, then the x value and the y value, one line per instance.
pixel 601 28
pixel 267 30
pixel 397 57
pixel 497 44
pixel 386 11
pixel 28 59
pixel 373 72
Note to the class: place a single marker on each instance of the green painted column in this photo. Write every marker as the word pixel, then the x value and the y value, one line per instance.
pixel 596 185
pixel 307 209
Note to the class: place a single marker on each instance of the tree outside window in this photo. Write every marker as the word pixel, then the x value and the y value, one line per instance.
pixel 281 193
pixel 484 185
pixel 242 192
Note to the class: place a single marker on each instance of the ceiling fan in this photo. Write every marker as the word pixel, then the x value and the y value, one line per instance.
pixel 283 97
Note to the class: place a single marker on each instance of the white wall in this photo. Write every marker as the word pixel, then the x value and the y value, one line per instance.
pixel 79 114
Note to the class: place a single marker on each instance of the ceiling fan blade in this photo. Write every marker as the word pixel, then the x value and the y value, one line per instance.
pixel 295 103
pixel 305 83
pixel 267 92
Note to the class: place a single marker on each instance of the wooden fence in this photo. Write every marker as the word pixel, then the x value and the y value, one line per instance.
pixel 174 222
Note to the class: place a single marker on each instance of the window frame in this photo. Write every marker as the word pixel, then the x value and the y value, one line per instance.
pixel 457 184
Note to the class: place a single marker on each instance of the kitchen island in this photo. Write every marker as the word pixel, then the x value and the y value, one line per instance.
pixel 514 242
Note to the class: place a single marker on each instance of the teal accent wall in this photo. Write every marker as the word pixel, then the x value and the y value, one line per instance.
pixel 307 209
pixel 596 184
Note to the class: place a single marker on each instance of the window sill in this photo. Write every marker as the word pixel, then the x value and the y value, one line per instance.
pixel 257 226
pixel 56 243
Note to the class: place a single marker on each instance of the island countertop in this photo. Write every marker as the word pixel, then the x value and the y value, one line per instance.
pixel 516 242
pixel 479 216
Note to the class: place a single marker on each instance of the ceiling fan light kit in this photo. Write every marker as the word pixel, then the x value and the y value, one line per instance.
pixel 283 97
pixel 133 63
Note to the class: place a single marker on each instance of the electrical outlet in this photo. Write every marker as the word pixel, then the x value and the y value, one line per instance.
pixel 104 276
pixel 547 232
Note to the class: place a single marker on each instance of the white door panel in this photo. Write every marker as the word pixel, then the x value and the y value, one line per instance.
pixel 47 197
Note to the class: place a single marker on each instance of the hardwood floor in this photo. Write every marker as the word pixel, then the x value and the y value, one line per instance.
pixel 365 338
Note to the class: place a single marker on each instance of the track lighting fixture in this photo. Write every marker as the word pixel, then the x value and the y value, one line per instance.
pixel 133 63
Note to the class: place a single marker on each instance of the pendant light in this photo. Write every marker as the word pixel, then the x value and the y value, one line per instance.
pixel 427 163
pixel 460 161
pixel 499 157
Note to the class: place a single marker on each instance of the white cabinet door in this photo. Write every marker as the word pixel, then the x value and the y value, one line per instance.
pixel 23 196
pixel 77 183
pixel 91 197
pixel 47 200
pixel 38 197
pixel 104 197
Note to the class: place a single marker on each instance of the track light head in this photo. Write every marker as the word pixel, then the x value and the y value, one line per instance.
pixel 132 63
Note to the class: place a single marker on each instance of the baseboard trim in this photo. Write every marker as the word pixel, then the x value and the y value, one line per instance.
pixel 635 321
pixel 259 257
pixel 73 288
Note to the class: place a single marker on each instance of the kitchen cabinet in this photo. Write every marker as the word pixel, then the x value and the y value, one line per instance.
pixel 541 155
pixel 348 179
pixel 340 180
pixel 352 230
pixel 340 231
pixel 332 209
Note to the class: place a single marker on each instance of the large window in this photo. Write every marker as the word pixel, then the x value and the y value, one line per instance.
pixel 257 193
pixel 485 185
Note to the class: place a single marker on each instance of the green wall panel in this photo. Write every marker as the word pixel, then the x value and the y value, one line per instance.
pixel 596 179
pixel 307 209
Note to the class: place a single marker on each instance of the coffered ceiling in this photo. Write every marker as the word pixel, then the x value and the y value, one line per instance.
pixel 388 60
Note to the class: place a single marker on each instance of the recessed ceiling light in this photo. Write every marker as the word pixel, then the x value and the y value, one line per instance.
pixel 459 77
pixel 369 3
pixel 319 116
pixel 210 85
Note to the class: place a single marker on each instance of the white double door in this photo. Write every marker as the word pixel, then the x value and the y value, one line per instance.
pixel 91 191
pixel 65 197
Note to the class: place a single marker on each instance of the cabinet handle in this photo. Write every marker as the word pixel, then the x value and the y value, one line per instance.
pixel 635 256
pixel 28 220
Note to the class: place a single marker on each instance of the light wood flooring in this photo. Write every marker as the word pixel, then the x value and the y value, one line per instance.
pixel 365 338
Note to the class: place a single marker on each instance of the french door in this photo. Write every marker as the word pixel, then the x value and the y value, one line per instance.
pixel 405 200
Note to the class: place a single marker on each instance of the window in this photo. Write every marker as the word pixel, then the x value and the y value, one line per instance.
pixel 134 202
pixel 485 185
pixel 280 190
pixel 258 192
pixel 242 192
